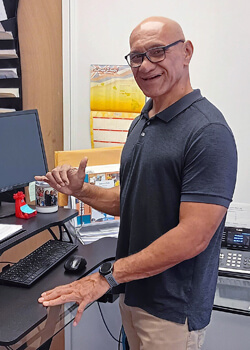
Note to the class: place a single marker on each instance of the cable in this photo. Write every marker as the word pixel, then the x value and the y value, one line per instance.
pixel 124 340
pixel 118 341
pixel 7 262
pixel 121 337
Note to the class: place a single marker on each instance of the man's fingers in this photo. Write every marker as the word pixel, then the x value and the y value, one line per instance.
pixel 41 178
pixel 60 174
pixel 59 177
pixel 82 168
pixel 49 178
pixel 58 299
pixel 79 313
pixel 56 292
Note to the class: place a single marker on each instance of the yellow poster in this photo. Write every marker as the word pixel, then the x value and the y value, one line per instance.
pixel 113 89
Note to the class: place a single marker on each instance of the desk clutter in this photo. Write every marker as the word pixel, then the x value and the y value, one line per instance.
pixel 8 230
pixel 10 66
pixel 46 198
pixel 89 233
pixel 22 210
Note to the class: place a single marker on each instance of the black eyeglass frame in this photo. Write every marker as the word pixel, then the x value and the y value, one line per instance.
pixel 144 54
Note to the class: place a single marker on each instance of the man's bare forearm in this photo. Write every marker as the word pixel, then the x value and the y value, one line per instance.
pixel 106 200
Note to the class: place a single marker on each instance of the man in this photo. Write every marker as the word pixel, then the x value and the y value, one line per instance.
pixel 178 171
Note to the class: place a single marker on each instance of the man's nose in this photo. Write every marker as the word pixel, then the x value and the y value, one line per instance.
pixel 146 64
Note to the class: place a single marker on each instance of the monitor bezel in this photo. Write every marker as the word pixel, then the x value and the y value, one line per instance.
pixel 25 112
pixel 6 194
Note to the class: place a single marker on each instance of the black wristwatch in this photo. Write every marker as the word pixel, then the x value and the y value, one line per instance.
pixel 106 270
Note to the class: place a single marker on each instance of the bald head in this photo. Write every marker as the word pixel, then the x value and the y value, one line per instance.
pixel 153 25
pixel 161 74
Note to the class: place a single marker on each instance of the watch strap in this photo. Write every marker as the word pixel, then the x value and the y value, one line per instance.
pixel 111 280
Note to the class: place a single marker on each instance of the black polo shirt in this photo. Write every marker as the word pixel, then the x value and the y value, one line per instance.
pixel 184 153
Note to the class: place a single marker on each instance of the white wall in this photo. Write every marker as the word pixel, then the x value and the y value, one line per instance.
pixel 97 32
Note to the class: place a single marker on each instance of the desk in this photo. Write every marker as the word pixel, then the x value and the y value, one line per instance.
pixel 36 224
pixel 24 322
pixel 21 315
pixel 31 227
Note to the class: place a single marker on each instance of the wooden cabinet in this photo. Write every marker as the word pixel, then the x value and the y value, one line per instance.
pixel 40 39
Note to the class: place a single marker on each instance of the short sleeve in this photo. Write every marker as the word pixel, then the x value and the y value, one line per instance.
pixel 210 166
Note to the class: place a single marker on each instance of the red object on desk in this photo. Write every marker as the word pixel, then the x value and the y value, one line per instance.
pixel 22 209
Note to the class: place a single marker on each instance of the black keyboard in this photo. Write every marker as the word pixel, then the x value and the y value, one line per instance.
pixel 29 269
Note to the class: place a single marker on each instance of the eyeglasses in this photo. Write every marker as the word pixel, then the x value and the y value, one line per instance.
pixel 154 55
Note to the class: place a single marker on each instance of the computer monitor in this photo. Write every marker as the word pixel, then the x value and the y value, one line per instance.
pixel 22 154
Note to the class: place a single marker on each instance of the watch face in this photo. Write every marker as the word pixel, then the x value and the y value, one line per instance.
pixel 106 268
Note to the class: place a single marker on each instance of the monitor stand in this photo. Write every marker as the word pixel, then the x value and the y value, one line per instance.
pixel 6 209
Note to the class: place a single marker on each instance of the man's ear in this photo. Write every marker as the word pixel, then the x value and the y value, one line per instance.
pixel 188 52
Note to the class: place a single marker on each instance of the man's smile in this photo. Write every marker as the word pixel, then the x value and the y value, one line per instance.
pixel 151 78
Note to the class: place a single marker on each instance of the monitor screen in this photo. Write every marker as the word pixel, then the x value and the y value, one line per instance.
pixel 22 154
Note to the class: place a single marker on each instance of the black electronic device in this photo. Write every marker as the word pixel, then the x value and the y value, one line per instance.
pixel 106 270
pixel 235 252
pixel 75 264
pixel 35 265
pixel 22 154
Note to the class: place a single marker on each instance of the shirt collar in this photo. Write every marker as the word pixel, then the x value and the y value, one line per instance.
pixel 176 108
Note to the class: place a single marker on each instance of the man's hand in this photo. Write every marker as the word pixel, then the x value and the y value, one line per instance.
pixel 66 179
pixel 83 292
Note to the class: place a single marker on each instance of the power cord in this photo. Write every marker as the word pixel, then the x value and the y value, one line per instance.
pixel 120 337
pixel 117 340
pixel 125 345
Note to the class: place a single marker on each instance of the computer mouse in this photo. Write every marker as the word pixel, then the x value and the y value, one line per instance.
pixel 75 263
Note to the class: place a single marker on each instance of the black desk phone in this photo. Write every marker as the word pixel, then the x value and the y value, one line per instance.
pixel 235 252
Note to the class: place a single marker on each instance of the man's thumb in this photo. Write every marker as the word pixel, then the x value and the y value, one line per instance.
pixel 82 167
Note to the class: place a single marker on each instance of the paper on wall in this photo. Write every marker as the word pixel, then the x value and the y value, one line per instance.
pixel 238 215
